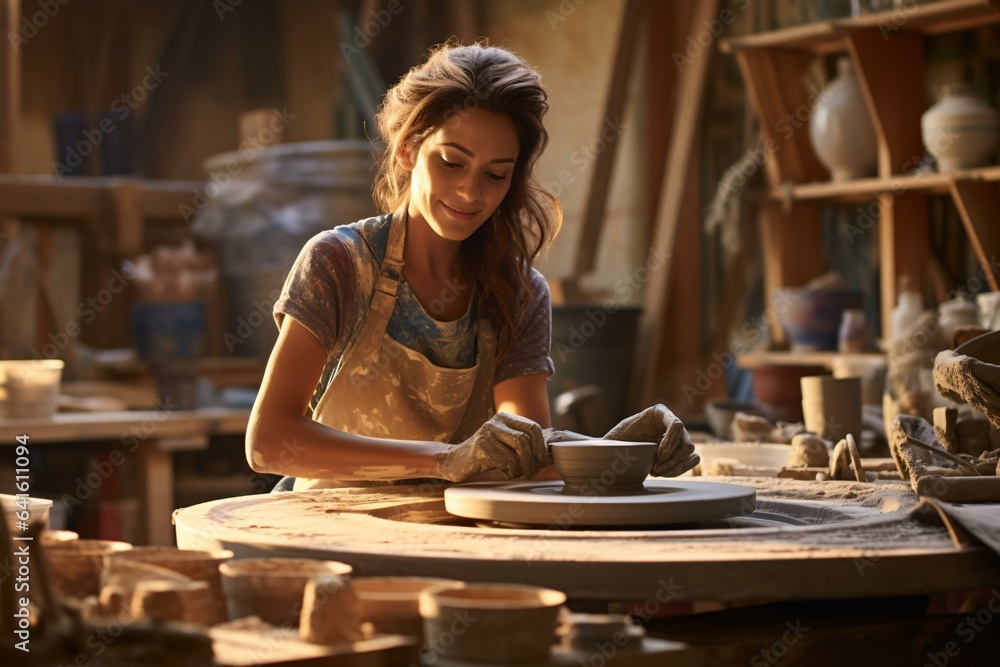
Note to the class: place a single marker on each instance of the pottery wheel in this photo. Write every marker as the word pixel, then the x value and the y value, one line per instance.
pixel 661 502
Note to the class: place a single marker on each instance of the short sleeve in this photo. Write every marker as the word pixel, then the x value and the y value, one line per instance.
pixel 320 288
pixel 530 351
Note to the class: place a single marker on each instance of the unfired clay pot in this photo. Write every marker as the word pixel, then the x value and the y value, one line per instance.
pixel 603 467
pixel 506 624
pixel 392 604
pixel 195 564
pixel 273 588
pixel 961 130
pixel 75 565
pixel 840 128
pixel 832 406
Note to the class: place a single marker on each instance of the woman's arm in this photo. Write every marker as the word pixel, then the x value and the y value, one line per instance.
pixel 526 396
pixel 281 439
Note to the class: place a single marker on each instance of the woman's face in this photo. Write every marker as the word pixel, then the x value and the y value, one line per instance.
pixel 462 172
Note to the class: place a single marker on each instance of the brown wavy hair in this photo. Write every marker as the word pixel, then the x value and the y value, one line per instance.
pixel 459 79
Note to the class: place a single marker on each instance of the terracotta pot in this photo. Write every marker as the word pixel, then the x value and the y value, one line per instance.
pixel 75 566
pixel 506 624
pixel 961 130
pixel 273 588
pixel 197 565
pixel 778 386
pixel 840 128
pixel 392 604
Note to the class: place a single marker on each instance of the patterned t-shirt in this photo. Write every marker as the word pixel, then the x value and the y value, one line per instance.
pixel 331 284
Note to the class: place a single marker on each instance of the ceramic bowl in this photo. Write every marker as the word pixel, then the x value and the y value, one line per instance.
pixel 811 317
pixel 603 467
pixel 500 624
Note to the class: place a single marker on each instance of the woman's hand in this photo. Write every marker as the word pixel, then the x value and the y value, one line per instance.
pixel 509 443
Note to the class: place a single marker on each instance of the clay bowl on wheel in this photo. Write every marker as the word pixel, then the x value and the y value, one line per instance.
pixel 603 467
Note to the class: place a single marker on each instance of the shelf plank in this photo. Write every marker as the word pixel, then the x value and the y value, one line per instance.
pixel 864 189
pixel 46 196
pixel 933 18
pixel 814 358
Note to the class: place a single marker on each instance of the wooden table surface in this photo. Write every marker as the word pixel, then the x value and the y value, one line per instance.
pixel 153 434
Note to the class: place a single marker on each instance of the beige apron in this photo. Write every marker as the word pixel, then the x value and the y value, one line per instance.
pixel 383 389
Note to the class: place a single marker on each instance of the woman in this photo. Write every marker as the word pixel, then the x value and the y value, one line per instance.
pixel 407 332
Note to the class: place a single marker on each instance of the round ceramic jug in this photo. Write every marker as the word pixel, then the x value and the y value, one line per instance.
pixel 961 130
pixel 840 128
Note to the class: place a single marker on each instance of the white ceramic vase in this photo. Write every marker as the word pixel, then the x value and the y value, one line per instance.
pixel 840 128
pixel 961 130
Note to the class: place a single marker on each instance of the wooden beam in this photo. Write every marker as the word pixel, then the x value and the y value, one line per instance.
pixel 977 204
pixel 653 323
pixel 614 106
pixel 10 83
pixel 904 246
pixel 891 79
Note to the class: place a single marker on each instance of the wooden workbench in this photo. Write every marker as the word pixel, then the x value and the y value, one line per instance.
pixel 152 434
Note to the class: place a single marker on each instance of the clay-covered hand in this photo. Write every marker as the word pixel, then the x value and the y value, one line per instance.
pixel 509 443
pixel 675 454
pixel 557 435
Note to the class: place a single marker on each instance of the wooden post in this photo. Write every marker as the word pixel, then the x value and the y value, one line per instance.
pixel 10 84
pixel 669 212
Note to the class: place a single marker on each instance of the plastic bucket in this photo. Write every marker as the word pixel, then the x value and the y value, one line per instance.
pixel 168 329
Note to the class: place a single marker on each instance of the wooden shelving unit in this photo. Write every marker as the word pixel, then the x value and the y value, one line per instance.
pixel 886 50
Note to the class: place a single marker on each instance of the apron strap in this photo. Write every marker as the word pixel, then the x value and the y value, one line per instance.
pixel 360 358
pixel 392 263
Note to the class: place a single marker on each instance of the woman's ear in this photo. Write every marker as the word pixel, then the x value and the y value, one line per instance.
pixel 405 156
